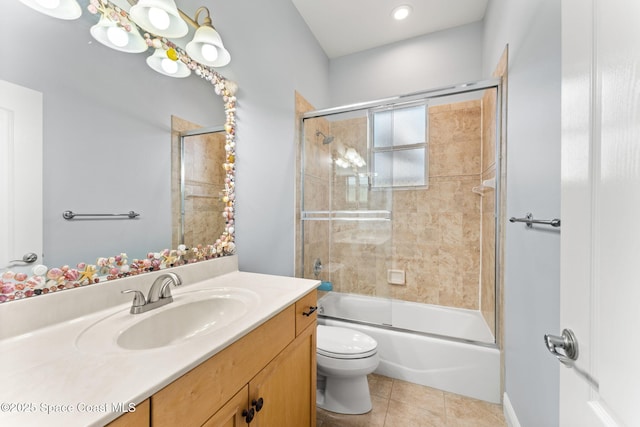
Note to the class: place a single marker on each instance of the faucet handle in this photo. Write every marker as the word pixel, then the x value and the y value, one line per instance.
pixel 138 298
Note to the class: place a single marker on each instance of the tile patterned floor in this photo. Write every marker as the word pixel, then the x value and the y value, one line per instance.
pixel 399 403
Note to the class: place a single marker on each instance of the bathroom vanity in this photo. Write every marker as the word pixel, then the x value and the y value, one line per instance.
pixel 249 382
pixel 258 370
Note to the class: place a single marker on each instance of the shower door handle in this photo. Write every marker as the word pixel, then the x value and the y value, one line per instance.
pixel 567 342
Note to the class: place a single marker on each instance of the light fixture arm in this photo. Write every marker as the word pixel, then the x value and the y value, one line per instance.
pixel 194 22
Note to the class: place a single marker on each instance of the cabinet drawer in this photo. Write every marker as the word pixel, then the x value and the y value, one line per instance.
pixel 305 305
pixel 194 397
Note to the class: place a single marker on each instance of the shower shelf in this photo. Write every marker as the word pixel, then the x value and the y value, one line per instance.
pixel 353 215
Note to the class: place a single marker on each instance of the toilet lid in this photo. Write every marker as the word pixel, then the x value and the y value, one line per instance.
pixel 343 343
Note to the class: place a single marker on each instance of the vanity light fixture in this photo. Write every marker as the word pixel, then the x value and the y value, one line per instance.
pixel 401 12
pixel 160 17
pixel 162 20
pixel 206 46
pixel 61 9
pixel 161 63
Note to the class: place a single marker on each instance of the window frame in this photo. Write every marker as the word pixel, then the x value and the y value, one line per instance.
pixel 373 150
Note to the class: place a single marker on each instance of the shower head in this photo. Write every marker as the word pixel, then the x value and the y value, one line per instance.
pixel 326 139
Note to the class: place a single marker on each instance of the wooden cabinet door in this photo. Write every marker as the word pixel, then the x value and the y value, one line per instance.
pixel 193 398
pixel 287 386
pixel 231 414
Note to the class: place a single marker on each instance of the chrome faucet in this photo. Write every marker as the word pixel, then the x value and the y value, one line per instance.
pixel 159 294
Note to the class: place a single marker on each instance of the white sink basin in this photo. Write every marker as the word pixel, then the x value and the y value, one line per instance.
pixel 190 315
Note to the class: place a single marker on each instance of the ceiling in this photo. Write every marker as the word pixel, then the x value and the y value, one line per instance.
pixel 343 27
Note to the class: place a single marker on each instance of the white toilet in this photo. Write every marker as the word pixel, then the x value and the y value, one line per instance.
pixel 345 357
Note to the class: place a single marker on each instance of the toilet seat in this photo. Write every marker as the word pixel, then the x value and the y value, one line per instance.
pixel 343 343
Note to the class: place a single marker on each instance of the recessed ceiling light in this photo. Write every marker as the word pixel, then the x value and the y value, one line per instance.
pixel 401 12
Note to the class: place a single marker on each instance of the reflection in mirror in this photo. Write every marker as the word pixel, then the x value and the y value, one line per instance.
pixel 197 180
pixel 107 148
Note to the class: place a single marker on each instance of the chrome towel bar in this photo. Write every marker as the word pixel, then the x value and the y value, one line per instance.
pixel 70 215
pixel 528 219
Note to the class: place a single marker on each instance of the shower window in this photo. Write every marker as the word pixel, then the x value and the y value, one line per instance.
pixel 399 155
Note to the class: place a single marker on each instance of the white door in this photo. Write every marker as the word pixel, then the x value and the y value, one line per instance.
pixel 600 254
pixel 20 173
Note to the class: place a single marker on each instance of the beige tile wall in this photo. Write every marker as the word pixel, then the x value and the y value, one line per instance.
pixel 435 232
pixel 502 72
pixel 488 258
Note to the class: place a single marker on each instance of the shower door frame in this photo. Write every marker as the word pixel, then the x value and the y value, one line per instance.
pixel 456 89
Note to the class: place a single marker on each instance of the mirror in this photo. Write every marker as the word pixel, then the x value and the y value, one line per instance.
pixel 107 146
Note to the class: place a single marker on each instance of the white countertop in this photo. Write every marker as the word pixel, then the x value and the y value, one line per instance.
pixel 46 379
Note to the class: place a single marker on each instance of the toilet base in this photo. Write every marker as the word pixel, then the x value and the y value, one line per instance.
pixel 345 395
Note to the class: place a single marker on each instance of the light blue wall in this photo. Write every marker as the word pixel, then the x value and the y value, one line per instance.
pixel 532 257
pixel 273 55
pixel 417 64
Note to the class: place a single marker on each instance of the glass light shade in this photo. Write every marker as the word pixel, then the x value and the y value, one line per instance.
pixel 169 66
pixel 158 61
pixel 205 42
pixel 64 9
pixel 159 18
pixel 209 52
pixel 148 14
pixel 111 35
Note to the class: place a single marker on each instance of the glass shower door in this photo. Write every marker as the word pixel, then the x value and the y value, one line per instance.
pixel 400 208
pixel 345 222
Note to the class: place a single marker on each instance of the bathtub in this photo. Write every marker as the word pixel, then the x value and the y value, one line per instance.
pixel 445 348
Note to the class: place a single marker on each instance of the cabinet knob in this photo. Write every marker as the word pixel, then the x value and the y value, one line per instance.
pixel 258 404
pixel 310 312
pixel 248 415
